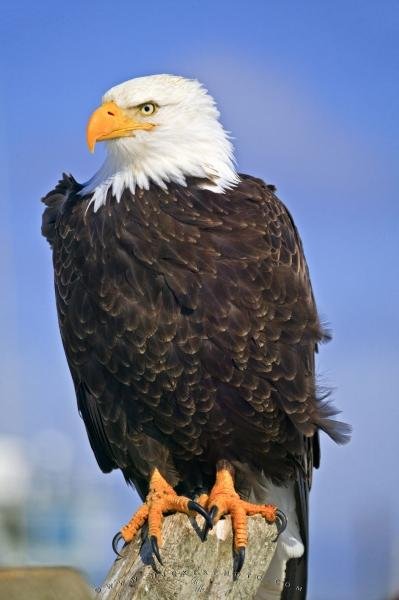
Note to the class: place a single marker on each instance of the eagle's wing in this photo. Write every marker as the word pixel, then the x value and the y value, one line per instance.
pixel 290 289
pixel 87 404
pixel 95 348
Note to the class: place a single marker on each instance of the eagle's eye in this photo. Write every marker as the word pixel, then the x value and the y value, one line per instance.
pixel 148 108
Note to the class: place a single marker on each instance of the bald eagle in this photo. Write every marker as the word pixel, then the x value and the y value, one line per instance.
pixel 189 323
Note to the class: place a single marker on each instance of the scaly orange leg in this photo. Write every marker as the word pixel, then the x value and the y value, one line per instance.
pixel 223 499
pixel 161 499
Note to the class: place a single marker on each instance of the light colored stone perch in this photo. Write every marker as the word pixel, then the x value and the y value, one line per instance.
pixel 43 583
pixel 193 570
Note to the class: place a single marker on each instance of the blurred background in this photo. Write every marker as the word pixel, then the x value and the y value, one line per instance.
pixel 310 92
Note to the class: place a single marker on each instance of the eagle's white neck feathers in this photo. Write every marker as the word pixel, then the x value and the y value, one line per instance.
pixel 188 141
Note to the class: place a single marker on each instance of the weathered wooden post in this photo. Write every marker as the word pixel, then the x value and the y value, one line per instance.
pixel 192 569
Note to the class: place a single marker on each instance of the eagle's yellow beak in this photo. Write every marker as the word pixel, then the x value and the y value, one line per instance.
pixel 109 122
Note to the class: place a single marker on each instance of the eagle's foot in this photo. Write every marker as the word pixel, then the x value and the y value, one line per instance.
pixel 223 499
pixel 161 499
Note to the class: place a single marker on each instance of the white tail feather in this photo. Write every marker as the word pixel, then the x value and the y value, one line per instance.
pixel 289 544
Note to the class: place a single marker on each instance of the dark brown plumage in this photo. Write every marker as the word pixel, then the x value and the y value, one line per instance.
pixel 190 327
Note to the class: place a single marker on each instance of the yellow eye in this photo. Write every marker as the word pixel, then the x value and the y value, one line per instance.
pixel 148 109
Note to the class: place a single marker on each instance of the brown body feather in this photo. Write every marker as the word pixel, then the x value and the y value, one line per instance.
pixel 189 325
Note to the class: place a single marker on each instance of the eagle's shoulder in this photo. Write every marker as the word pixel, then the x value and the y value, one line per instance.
pixel 276 220
pixel 256 187
pixel 55 201
pixel 264 194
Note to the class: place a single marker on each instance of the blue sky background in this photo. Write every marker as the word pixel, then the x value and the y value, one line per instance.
pixel 310 92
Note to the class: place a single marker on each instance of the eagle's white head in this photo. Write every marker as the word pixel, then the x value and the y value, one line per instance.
pixel 159 129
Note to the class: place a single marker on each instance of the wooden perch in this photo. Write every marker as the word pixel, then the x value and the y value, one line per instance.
pixel 192 569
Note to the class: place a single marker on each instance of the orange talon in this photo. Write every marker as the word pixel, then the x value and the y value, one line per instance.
pixel 223 499
pixel 130 530
pixel 161 499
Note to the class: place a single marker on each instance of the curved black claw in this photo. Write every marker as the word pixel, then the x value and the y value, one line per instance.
pixel 209 523
pixel 281 523
pixel 239 557
pixel 155 548
pixel 198 508
pixel 115 541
